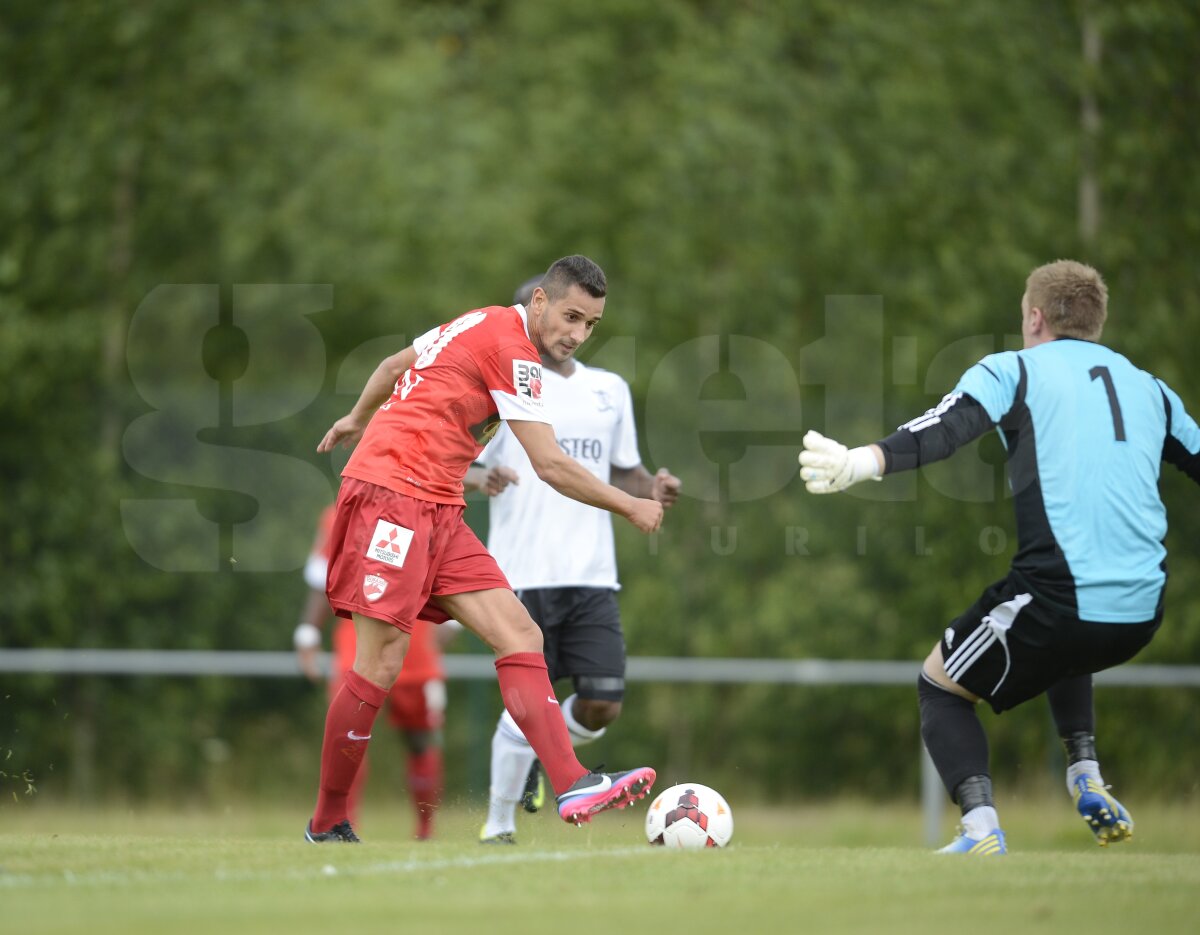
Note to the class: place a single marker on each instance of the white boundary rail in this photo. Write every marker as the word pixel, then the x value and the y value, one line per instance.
pixel 274 664
pixel 640 668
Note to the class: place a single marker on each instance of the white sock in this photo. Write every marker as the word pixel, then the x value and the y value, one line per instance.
pixel 979 822
pixel 580 735
pixel 1082 768
pixel 511 758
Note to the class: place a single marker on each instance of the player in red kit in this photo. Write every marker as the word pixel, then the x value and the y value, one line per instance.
pixel 416 703
pixel 400 551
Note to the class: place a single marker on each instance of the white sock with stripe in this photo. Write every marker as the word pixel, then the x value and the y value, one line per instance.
pixel 511 758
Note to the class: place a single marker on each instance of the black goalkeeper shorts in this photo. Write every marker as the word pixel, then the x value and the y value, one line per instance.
pixel 1010 646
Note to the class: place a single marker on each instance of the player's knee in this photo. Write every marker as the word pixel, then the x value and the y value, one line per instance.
pixel 595 713
pixel 380 668
pixel 942 712
pixel 934 667
pixel 933 689
pixel 525 624
pixel 930 692
pixel 518 634
pixel 530 636
pixel 380 650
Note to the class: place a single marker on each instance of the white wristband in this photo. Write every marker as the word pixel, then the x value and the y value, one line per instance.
pixel 306 636
pixel 863 464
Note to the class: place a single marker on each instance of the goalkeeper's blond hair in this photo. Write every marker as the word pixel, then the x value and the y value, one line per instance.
pixel 1072 297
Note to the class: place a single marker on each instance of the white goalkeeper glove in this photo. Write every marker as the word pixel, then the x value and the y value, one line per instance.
pixel 829 467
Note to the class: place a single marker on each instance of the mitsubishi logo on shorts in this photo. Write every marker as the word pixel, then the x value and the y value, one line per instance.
pixel 389 543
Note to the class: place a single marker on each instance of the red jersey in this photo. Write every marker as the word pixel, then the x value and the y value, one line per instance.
pixel 469 374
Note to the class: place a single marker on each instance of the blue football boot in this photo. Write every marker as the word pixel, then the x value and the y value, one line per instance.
pixel 1107 817
pixel 991 843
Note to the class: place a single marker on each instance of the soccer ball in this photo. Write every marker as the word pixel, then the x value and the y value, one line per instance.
pixel 689 816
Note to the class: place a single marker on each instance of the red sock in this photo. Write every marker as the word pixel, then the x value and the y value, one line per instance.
pixel 425 786
pixel 347 730
pixel 525 688
pixel 354 796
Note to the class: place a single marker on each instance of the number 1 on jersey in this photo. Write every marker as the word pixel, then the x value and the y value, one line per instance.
pixel 1113 403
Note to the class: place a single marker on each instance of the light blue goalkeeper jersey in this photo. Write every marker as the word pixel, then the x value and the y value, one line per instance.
pixel 1086 432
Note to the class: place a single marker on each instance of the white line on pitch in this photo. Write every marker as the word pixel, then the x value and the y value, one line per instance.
pixel 330 870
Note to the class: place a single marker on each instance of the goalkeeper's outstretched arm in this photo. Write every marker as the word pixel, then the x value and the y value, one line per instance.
pixel 828 466
pixel 956 421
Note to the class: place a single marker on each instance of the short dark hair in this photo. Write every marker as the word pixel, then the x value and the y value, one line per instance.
pixel 524 293
pixel 574 271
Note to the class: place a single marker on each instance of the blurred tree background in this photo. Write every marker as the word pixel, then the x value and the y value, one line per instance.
pixel 215 219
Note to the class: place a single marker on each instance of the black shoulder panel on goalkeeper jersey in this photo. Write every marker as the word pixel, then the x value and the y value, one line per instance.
pixel 956 421
pixel 1174 451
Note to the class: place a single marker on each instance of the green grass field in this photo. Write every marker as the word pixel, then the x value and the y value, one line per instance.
pixel 840 867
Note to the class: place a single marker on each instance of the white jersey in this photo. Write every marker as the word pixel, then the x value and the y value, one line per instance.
pixel 540 538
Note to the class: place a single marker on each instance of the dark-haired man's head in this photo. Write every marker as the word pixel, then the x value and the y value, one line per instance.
pixel 564 307
pixel 574 271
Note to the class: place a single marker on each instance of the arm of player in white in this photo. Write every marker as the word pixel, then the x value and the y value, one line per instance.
pixel 307 636
pixel 573 480
pixel 662 486
pixel 491 480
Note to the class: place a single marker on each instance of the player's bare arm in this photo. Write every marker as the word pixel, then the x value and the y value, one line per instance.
pixel 491 480
pixel 572 480
pixel 307 637
pixel 349 428
pixel 662 486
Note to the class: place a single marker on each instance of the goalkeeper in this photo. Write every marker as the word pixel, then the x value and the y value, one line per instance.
pixel 1085 432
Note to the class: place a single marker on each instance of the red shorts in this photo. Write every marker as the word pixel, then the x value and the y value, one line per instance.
pixel 388 553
